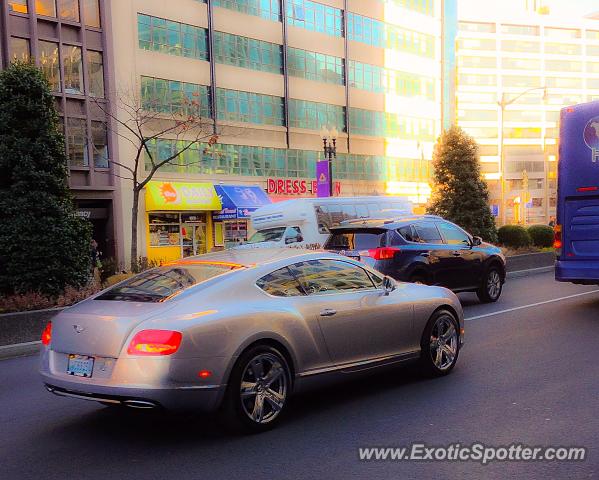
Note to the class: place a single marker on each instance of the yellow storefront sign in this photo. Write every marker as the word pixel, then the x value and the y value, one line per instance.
pixel 181 196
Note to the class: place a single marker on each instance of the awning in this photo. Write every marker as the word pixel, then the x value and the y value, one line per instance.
pixel 181 196
pixel 239 201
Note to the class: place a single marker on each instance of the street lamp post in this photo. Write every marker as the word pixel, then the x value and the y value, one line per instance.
pixel 503 103
pixel 329 142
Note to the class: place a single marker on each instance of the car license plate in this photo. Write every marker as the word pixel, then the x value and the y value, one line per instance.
pixel 80 365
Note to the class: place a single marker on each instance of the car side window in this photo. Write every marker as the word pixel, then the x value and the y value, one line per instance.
pixel 293 235
pixel 281 283
pixel 426 232
pixel 407 232
pixel 319 277
pixel 453 235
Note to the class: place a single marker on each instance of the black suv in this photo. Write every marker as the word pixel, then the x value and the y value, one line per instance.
pixel 424 249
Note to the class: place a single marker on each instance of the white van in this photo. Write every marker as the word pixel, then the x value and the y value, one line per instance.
pixel 305 222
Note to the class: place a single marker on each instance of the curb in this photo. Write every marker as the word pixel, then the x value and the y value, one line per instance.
pixel 20 350
pixel 530 272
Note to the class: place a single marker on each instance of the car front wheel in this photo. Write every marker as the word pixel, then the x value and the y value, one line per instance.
pixel 258 390
pixel 491 287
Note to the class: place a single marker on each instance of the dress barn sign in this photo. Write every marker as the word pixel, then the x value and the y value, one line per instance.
pixel 296 187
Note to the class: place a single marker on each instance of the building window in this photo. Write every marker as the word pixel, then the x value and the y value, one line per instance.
pixel 48 57
pixel 19 49
pixel 315 66
pixel 45 7
pixel 426 7
pixel 476 27
pixel 563 48
pixel 268 9
pixel 100 144
pixel 520 29
pixel 68 10
pixel 248 53
pixel 95 71
pixel 313 115
pixel 374 32
pixel 315 16
pixel 73 69
pixel 173 38
pixel 238 106
pixel 173 97
pixel 77 142
pixel 18 6
pixel 91 13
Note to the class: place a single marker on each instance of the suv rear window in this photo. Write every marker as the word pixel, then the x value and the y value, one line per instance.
pixel 160 283
pixel 358 239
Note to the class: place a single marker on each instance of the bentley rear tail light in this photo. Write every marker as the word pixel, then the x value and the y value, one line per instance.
pixel 47 334
pixel 155 342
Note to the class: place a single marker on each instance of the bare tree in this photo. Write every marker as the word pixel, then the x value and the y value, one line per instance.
pixel 141 122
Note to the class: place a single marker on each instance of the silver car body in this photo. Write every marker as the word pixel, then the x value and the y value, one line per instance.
pixel 222 317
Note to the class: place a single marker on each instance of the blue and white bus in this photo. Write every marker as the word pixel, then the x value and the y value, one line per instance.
pixel 577 229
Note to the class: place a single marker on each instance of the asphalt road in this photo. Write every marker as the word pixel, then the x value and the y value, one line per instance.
pixel 526 375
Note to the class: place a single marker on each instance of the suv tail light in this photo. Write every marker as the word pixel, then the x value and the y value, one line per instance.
pixel 155 342
pixel 383 253
pixel 47 334
pixel 557 239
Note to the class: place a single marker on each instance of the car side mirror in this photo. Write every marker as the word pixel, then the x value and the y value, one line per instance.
pixel 476 241
pixel 388 285
pixel 300 239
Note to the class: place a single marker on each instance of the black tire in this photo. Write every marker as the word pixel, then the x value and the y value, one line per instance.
pixel 491 286
pixel 235 410
pixel 428 352
pixel 418 277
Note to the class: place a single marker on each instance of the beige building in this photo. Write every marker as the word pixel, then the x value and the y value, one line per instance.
pixel 514 76
pixel 268 75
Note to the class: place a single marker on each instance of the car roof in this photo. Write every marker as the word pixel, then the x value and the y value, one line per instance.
pixel 246 257
pixel 386 223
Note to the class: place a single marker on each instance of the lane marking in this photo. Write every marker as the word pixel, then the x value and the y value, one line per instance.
pixel 507 310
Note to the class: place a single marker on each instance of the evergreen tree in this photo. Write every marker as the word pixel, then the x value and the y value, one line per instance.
pixel 460 195
pixel 44 246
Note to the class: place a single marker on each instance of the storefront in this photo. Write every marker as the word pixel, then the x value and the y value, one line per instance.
pixel 231 223
pixel 179 219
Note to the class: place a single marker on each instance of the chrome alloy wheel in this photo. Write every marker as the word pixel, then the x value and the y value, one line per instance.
pixel 493 284
pixel 264 386
pixel 444 342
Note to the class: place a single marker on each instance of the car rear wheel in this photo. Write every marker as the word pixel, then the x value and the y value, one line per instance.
pixel 491 287
pixel 440 345
pixel 258 390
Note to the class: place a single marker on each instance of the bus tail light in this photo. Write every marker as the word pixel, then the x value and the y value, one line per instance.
pixel 557 239
pixel 383 253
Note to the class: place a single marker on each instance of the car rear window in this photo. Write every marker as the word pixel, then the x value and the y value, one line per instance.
pixel 160 283
pixel 356 239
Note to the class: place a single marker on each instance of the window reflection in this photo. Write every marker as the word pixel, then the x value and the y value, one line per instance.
pixel 73 71
pixel 18 6
pixel 91 13
pixel 68 10
pixel 77 142
pixel 19 49
pixel 100 144
pixel 48 53
pixel 95 69
pixel 45 7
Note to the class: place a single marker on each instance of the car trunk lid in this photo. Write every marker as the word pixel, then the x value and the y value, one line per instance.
pixel 100 327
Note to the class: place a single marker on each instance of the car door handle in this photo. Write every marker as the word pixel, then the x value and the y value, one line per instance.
pixel 456 254
pixel 328 312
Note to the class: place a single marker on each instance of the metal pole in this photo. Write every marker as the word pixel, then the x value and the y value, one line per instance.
pixel 502 206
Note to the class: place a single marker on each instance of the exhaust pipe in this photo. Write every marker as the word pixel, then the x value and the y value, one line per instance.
pixel 139 404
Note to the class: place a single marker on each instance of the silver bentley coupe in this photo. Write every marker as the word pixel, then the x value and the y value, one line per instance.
pixel 240 331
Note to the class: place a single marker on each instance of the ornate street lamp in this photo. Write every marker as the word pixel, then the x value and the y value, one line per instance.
pixel 329 142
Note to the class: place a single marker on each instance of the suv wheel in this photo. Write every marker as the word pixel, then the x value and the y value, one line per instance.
pixel 491 287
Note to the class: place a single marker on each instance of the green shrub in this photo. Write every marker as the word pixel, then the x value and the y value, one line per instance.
pixel 541 235
pixel 514 236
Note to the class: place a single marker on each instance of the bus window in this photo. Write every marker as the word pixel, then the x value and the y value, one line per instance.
pixel 323 218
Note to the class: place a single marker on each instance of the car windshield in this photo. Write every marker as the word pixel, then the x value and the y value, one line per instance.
pixel 267 235
pixel 160 283
pixel 356 239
